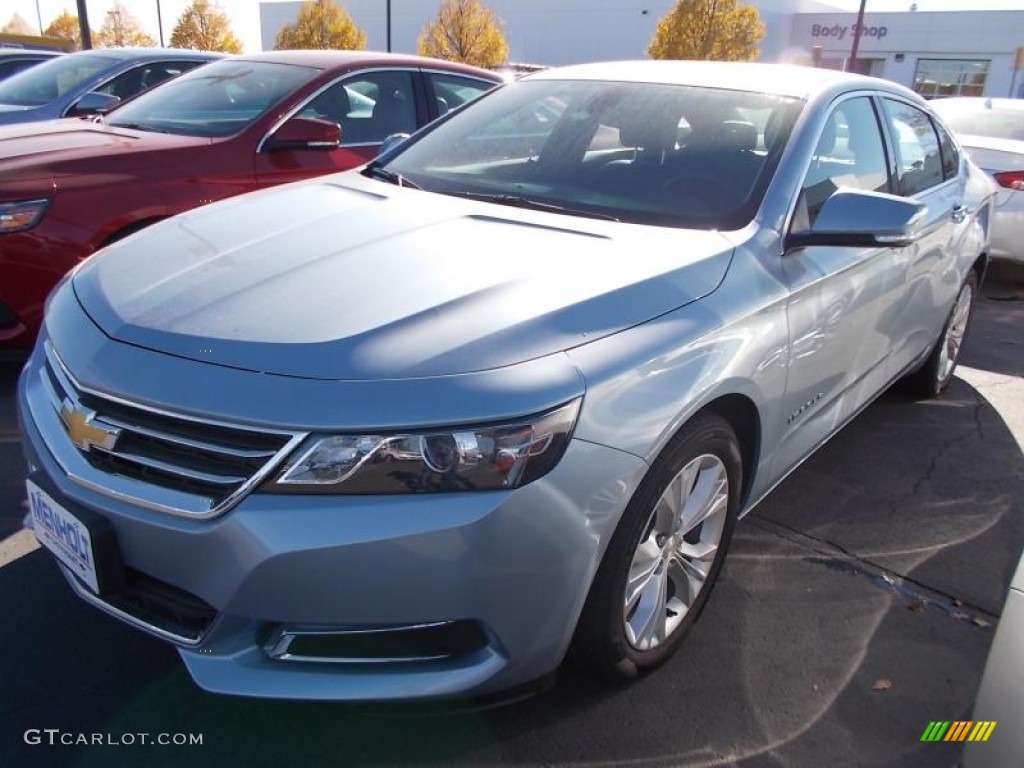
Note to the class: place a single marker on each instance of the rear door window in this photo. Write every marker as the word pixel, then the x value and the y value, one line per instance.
pixel 918 157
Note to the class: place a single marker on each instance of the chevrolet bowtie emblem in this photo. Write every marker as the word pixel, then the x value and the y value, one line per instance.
pixel 84 431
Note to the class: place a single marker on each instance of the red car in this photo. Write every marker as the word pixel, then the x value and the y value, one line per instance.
pixel 69 187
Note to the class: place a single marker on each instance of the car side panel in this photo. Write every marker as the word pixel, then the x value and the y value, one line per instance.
pixel 733 341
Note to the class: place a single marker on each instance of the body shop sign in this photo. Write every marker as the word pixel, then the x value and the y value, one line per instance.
pixel 842 31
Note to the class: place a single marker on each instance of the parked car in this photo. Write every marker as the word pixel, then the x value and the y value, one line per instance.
pixel 87 82
pixel 14 60
pixel 240 124
pixel 992 132
pixel 1000 702
pixel 417 430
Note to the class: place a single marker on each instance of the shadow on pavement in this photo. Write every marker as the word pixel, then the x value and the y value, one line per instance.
pixel 996 339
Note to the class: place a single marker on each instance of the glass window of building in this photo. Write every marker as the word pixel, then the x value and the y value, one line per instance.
pixel 950 77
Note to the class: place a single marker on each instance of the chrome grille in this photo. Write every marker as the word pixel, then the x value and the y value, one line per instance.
pixel 153 458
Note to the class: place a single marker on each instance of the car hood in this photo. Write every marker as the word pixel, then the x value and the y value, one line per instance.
pixel 346 278
pixel 55 148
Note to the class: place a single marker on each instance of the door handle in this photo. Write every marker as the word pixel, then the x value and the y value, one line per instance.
pixel 960 213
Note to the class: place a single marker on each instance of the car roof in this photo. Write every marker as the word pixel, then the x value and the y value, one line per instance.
pixel 144 54
pixel 779 79
pixel 29 52
pixel 334 59
pixel 982 102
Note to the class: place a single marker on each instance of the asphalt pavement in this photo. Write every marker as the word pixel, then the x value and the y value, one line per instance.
pixel 857 604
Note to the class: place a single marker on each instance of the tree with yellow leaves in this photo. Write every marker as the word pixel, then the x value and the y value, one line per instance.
pixel 719 30
pixel 122 30
pixel 204 27
pixel 66 26
pixel 466 31
pixel 323 25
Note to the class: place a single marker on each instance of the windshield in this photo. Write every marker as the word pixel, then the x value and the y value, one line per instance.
pixel 671 155
pixel 50 80
pixel 218 99
pixel 978 119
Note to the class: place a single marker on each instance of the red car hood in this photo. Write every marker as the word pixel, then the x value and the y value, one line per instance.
pixel 55 148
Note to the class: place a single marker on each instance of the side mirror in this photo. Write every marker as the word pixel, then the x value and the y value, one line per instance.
pixel 305 133
pixel 858 218
pixel 391 142
pixel 93 103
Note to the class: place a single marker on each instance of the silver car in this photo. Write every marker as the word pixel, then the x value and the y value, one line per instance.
pixel 992 132
pixel 425 428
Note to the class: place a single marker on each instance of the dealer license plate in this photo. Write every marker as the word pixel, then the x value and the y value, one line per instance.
pixel 63 534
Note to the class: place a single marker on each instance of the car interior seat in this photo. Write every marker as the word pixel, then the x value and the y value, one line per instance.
pixel 392 113
pixel 332 104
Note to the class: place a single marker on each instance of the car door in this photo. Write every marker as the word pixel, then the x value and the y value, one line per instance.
pixel 837 352
pixel 369 106
pixel 927 170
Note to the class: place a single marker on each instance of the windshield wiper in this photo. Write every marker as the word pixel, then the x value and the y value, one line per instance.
pixel 517 201
pixel 138 127
pixel 379 172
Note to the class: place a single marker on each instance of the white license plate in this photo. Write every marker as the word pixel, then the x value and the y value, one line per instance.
pixel 63 534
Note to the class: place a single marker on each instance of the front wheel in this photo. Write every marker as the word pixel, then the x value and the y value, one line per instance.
pixel 665 554
pixel 936 373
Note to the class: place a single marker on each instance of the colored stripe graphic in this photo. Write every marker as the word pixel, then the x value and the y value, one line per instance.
pixel 983 730
pixel 954 729
pixel 958 730
pixel 935 731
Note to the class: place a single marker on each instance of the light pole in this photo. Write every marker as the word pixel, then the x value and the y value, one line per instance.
pixel 852 63
pixel 83 25
pixel 39 17
pixel 159 23
pixel 387 11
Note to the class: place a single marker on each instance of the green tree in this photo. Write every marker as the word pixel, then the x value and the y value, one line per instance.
pixel 324 25
pixel 66 26
pixel 204 27
pixel 721 30
pixel 18 26
pixel 466 31
pixel 122 30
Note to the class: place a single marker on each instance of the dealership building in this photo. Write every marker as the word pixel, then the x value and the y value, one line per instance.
pixel 975 53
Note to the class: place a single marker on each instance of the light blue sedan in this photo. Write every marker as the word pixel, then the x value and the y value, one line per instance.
pixel 423 429
pixel 89 81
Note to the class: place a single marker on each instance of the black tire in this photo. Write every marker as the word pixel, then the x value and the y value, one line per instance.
pixel 601 642
pixel 934 375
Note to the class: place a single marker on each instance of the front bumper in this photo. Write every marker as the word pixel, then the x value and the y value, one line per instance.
pixel 516 565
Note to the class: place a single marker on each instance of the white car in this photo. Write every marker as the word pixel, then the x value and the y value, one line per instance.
pixel 992 132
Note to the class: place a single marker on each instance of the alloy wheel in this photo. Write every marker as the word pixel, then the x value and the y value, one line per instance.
pixel 673 560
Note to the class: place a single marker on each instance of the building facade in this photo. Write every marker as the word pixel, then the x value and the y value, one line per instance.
pixel 937 53
pixel 949 53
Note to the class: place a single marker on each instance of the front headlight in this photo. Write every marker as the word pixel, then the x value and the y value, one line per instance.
pixel 461 459
pixel 21 215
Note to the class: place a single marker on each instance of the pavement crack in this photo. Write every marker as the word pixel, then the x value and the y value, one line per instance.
pixel 916 594
pixel 933 465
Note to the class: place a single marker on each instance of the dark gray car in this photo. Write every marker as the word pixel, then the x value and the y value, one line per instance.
pixel 63 87
pixel 15 60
